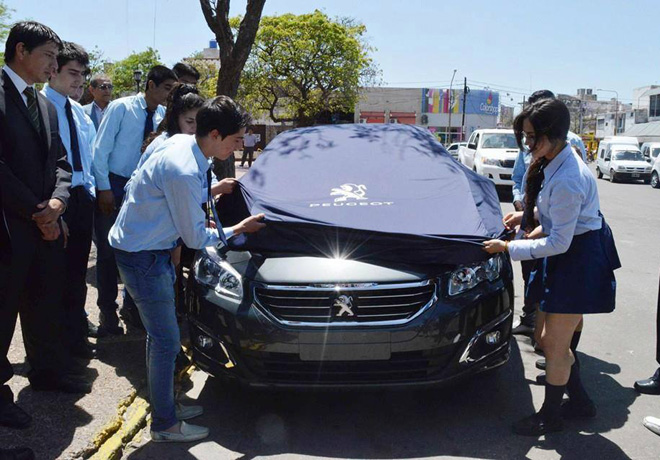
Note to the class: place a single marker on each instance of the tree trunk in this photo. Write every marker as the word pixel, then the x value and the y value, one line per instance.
pixel 233 54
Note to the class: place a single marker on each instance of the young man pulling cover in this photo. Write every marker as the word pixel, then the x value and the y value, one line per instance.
pixel 162 205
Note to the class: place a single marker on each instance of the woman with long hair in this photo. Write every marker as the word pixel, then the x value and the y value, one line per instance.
pixel 576 257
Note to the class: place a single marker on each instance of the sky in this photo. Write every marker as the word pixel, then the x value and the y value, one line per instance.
pixel 511 46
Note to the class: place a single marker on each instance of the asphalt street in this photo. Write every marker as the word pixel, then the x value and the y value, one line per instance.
pixel 471 420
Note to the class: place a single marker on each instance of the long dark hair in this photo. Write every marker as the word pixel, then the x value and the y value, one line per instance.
pixel 550 118
pixel 181 99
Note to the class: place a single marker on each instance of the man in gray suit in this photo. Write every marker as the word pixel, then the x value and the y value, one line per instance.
pixel 100 88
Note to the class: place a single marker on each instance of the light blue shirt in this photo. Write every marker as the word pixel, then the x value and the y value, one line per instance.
pixel 567 205
pixel 576 141
pixel 86 137
pixel 120 136
pixel 520 167
pixel 162 202
pixel 157 142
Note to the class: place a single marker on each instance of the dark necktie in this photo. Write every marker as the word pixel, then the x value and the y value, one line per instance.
pixel 32 108
pixel 148 124
pixel 73 134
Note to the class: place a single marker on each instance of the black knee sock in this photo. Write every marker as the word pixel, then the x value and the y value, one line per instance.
pixel 574 387
pixel 552 404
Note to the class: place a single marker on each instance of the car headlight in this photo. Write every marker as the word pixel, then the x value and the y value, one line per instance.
pixel 218 274
pixel 467 277
pixel 620 168
pixel 490 161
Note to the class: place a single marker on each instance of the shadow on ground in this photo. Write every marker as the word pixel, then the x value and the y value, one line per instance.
pixel 469 420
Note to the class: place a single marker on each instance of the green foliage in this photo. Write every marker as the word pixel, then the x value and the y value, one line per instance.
pixel 121 72
pixel 5 25
pixel 208 71
pixel 302 65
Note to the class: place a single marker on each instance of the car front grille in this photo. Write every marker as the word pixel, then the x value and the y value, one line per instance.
pixel 507 163
pixel 635 169
pixel 345 304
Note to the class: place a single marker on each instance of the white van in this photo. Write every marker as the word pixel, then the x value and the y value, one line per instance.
pixel 491 153
pixel 650 150
pixel 620 158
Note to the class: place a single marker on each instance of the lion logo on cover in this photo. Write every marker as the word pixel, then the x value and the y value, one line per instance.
pixel 349 191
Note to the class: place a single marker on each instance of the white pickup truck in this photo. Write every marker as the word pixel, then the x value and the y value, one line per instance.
pixel 491 153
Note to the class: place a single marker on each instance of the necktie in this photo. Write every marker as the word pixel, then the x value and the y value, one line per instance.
pixel 73 134
pixel 210 208
pixel 32 108
pixel 148 124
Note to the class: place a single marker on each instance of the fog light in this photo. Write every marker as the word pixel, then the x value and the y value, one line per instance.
pixel 204 341
pixel 493 338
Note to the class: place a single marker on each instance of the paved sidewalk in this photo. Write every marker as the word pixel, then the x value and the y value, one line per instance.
pixel 65 425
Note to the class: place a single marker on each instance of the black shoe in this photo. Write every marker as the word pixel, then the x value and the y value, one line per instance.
pixel 537 425
pixel 13 416
pixel 93 330
pixel 523 328
pixel 109 324
pixel 540 364
pixel 65 384
pixel 572 410
pixel 540 379
pixel 131 319
pixel 19 453
pixel 650 386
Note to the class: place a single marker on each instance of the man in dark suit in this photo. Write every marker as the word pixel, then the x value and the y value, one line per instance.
pixel 100 87
pixel 34 190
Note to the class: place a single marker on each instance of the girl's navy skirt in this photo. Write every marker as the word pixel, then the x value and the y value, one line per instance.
pixel 580 281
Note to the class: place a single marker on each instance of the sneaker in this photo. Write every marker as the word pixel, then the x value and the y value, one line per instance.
pixel 522 329
pixel 188 412
pixel 653 424
pixel 187 433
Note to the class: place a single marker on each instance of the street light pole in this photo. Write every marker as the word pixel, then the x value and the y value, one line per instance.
pixel 616 112
pixel 137 76
pixel 450 107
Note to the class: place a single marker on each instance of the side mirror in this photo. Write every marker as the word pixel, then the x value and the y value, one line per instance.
pixel 472 146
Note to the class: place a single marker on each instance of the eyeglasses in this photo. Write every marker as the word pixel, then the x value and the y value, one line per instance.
pixel 105 86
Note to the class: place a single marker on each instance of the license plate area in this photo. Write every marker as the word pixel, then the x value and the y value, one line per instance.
pixel 345 352
pixel 634 175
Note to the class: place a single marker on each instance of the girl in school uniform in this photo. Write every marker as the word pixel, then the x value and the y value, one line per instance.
pixel 575 253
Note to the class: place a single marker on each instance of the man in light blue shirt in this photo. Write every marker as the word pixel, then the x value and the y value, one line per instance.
pixel 162 206
pixel 77 134
pixel 126 123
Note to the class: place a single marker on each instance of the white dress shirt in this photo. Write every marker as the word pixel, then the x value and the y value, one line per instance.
pixel 18 82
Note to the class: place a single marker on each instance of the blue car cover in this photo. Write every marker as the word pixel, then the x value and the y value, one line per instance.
pixel 374 192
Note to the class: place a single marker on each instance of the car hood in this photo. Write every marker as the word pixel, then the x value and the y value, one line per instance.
pixel 376 193
pixel 316 270
pixel 502 154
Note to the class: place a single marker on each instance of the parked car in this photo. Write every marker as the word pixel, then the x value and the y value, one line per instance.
pixel 650 150
pixel 620 158
pixel 655 173
pixel 453 148
pixel 491 153
pixel 370 271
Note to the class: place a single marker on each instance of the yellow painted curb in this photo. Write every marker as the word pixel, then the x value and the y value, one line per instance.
pixel 133 421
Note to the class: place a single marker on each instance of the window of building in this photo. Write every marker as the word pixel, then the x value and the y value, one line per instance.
pixel 601 123
pixel 654 106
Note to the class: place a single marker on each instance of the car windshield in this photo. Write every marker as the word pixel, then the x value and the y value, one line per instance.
pixel 654 152
pixel 499 141
pixel 631 155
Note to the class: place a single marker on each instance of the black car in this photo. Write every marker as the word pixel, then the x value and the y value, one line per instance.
pixel 355 295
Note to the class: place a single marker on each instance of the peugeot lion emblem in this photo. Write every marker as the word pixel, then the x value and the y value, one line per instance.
pixel 349 191
pixel 345 305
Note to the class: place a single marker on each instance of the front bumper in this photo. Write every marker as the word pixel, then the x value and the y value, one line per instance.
pixel 624 175
pixel 498 174
pixel 449 341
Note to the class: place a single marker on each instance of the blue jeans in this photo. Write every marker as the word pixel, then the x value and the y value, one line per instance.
pixel 149 278
pixel 106 267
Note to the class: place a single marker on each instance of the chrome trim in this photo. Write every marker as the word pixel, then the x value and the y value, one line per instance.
pixel 465 357
pixel 339 287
